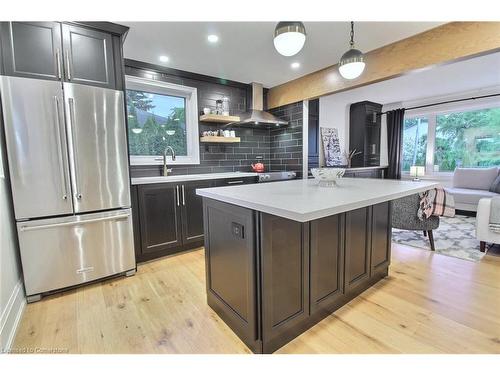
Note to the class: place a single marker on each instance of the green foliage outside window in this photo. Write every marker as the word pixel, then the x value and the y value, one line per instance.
pixel 468 139
pixel 463 139
pixel 414 142
pixel 149 132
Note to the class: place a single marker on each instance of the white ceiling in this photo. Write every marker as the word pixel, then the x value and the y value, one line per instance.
pixel 245 51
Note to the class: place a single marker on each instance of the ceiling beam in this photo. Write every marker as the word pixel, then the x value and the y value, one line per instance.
pixel 446 43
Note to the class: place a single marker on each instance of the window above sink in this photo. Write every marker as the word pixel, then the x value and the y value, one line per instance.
pixel 161 114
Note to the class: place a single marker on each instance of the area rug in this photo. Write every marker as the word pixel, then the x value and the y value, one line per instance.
pixel 455 237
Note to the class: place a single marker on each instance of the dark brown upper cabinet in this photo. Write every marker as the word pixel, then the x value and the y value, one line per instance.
pixel 58 51
pixel 32 49
pixel 88 56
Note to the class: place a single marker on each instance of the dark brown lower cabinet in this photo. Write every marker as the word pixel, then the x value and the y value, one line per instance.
pixel 285 279
pixel 159 217
pixel 327 261
pixel 357 244
pixel 271 278
pixel 168 217
pixel 381 237
pixel 366 173
pixel 231 269
pixel 192 211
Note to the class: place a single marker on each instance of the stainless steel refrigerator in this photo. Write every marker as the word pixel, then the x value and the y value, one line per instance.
pixel 68 165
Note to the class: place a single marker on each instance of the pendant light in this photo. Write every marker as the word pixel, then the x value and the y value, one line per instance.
pixel 352 62
pixel 289 37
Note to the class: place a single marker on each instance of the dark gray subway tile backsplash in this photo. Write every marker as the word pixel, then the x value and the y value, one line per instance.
pixel 280 149
pixel 286 142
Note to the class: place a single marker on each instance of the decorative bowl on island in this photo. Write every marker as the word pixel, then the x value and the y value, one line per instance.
pixel 327 176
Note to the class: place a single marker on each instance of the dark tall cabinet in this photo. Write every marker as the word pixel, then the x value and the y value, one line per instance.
pixel 313 134
pixel 364 133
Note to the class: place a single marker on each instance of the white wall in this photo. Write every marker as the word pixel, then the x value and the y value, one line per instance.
pixel 461 79
pixel 12 299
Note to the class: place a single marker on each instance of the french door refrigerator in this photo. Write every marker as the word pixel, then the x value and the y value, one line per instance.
pixel 68 165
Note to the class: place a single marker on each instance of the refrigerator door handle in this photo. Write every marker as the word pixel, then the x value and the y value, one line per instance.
pixel 60 150
pixel 71 105
pixel 25 228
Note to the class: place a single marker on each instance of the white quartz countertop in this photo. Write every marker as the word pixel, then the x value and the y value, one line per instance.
pixel 190 177
pixel 305 200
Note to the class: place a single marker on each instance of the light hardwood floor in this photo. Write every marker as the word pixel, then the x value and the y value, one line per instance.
pixel 429 303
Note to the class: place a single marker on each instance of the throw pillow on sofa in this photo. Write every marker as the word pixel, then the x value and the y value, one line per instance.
pixel 495 186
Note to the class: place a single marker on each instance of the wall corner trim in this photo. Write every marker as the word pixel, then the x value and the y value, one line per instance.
pixel 11 317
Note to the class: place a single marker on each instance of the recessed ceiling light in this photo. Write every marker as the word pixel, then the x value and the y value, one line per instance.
pixel 163 58
pixel 212 38
pixel 295 65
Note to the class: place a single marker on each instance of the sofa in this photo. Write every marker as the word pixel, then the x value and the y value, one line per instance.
pixel 472 184
pixel 483 232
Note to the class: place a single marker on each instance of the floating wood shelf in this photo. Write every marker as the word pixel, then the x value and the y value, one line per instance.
pixel 219 118
pixel 216 139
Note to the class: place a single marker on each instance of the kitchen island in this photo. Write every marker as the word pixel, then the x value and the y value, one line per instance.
pixel 282 256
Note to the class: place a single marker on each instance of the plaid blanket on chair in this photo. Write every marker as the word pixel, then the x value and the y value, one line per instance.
pixel 436 202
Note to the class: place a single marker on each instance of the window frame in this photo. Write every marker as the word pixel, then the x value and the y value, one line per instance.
pixel 190 94
pixel 431 116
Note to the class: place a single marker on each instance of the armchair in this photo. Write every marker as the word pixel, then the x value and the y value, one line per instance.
pixel 404 216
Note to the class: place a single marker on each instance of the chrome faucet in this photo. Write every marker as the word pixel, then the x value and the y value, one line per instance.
pixel 165 169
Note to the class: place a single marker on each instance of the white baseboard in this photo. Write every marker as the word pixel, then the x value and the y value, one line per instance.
pixel 11 316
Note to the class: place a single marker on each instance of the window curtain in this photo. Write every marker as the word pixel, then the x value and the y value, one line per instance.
pixel 395 120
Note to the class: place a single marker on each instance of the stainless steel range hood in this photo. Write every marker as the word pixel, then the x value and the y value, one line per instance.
pixel 256 117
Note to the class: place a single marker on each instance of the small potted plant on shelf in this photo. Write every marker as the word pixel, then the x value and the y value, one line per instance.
pixel 349 155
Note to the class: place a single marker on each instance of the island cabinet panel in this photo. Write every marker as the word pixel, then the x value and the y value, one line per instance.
pixel 231 268
pixel 285 279
pixel 381 236
pixel 192 210
pixel 357 247
pixel 327 261
pixel 159 216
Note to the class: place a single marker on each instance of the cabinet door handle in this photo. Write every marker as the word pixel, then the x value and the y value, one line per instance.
pixel 177 191
pixel 68 65
pixel 183 196
pixel 235 182
pixel 58 62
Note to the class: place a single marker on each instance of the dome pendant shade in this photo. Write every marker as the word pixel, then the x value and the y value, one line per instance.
pixel 352 64
pixel 289 37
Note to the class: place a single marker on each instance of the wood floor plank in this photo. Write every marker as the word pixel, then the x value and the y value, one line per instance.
pixel 430 303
